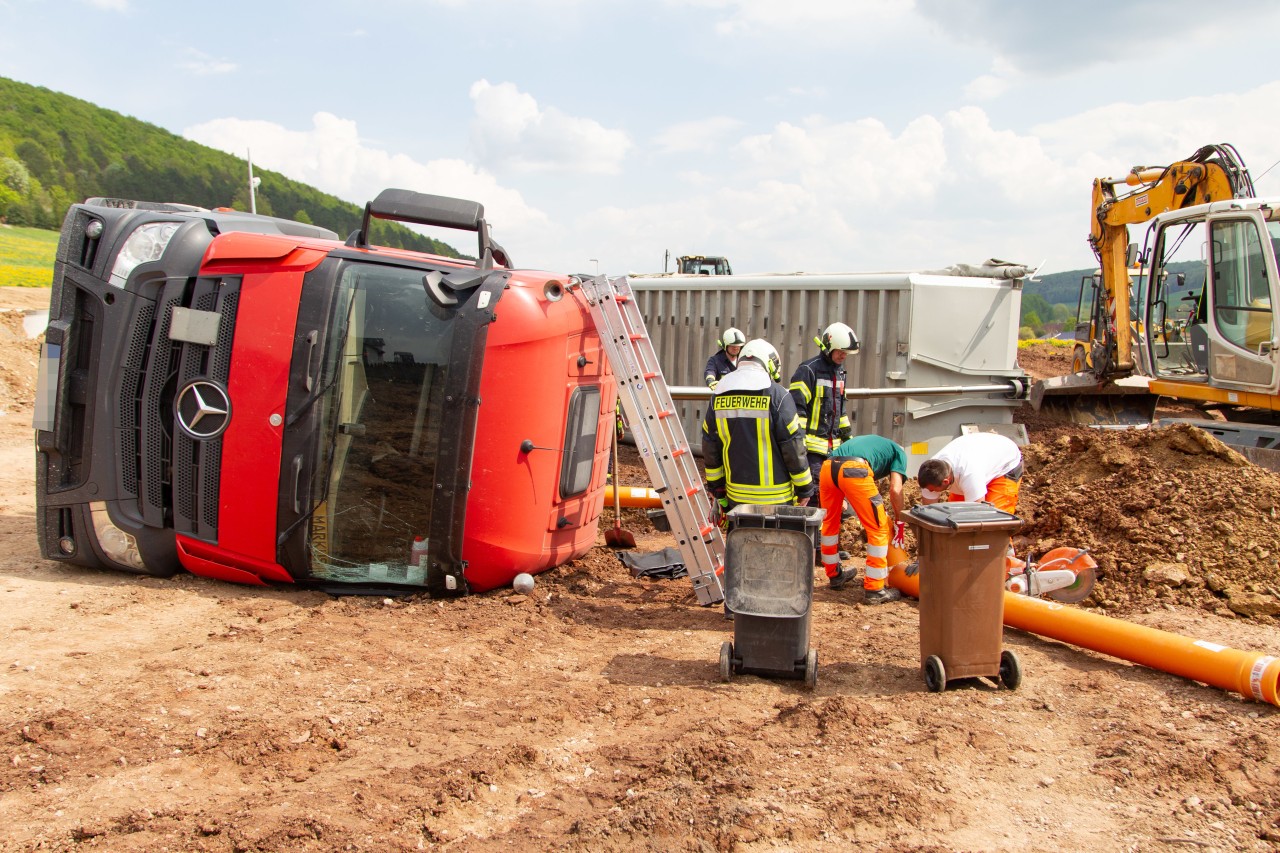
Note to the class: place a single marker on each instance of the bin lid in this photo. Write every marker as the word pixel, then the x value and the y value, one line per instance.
pixel 808 515
pixel 969 516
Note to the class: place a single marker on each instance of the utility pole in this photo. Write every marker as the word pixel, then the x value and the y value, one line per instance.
pixel 253 184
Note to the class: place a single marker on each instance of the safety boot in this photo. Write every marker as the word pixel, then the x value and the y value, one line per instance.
pixel 843 577
pixel 881 596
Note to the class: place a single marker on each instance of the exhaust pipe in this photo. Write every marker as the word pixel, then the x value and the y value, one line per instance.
pixel 1251 674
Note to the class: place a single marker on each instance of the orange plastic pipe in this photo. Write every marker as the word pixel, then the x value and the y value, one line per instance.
pixel 1251 674
pixel 633 496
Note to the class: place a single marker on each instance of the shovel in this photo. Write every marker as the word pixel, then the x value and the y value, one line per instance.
pixel 617 537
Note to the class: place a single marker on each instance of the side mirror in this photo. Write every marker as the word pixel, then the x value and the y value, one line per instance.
pixel 1131 255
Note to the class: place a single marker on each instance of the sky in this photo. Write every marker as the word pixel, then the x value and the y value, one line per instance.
pixel 600 135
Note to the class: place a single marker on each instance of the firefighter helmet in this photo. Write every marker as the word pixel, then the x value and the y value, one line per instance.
pixel 763 352
pixel 839 336
pixel 731 337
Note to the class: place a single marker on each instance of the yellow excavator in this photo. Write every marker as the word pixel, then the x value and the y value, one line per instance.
pixel 1191 315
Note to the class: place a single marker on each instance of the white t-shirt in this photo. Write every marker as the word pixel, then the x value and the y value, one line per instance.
pixel 976 459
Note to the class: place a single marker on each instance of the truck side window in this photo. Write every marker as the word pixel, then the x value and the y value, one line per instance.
pixel 580 440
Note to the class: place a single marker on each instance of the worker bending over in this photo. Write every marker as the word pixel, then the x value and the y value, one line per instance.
pixel 852 474
pixel 980 466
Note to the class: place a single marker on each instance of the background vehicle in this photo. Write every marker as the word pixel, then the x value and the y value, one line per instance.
pixel 1205 331
pixel 255 400
pixel 703 265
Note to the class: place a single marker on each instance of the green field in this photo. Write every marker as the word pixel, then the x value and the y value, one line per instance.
pixel 26 256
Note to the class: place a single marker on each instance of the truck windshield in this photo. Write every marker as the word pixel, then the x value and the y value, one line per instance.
pixel 386 363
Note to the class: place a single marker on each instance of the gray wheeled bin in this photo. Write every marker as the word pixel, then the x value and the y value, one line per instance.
pixel 962 547
pixel 768 575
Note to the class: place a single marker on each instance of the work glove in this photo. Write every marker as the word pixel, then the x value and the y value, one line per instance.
pixel 912 569
pixel 899 538
pixel 844 433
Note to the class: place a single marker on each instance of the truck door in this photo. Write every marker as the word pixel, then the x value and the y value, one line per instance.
pixel 1242 292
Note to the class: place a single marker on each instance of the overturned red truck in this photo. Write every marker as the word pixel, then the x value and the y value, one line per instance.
pixel 256 400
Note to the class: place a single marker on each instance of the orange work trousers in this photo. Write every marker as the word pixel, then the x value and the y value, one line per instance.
pixel 853 480
pixel 1001 493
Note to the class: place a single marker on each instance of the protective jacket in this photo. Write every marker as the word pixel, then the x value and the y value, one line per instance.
pixel 717 366
pixel 817 389
pixel 752 445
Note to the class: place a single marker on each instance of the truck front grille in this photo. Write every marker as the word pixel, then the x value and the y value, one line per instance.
pixel 175 478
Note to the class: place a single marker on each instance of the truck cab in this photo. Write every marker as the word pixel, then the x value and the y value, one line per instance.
pixel 256 400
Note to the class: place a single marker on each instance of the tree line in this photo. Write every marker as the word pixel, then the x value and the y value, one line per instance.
pixel 56 150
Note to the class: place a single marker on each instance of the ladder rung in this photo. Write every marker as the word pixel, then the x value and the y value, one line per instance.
pixel 693 490
pixel 652 375
pixel 666 414
pixel 678 452
pixel 706 531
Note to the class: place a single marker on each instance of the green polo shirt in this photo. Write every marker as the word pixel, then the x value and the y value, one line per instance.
pixel 884 456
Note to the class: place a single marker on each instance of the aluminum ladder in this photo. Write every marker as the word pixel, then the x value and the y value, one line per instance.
pixel 659 436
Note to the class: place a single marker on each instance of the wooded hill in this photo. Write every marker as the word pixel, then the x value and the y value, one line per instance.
pixel 56 150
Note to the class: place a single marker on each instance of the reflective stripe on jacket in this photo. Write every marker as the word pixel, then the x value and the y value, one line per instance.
pixel 745 438
pixel 817 389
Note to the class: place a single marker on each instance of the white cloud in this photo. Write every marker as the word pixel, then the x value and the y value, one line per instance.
pixel 511 131
pixel 1052 38
pixel 331 156
pixel 819 19
pixel 703 136
pixel 1107 141
pixel 856 163
pixel 201 63
pixel 990 86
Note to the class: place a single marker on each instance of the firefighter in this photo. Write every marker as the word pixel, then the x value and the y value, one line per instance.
pixel 852 474
pixel 725 359
pixel 817 389
pixel 752 443
pixel 980 466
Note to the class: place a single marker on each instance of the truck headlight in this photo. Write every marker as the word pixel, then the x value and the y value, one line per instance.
pixel 146 243
pixel 117 544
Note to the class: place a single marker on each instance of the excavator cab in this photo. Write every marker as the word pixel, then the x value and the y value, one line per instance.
pixel 1211 311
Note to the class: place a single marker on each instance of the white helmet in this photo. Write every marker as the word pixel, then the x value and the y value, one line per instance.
pixel 839 336
pixel 732 338
pixel 763 352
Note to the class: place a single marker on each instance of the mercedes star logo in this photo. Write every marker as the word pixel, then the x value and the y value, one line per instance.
pixel 203 409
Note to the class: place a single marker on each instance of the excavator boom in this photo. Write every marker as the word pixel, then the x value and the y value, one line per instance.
pixel 1110 382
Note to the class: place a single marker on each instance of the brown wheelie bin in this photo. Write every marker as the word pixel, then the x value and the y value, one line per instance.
pixel 961 553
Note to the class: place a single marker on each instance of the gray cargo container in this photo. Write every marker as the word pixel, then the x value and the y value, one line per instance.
pixel 926 331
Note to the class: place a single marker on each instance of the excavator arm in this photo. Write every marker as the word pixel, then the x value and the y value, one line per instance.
pixel 1113 390
pixel 1213 173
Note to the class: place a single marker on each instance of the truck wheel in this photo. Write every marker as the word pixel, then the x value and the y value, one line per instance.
pixel 1079 361
pixel 935 674
pixel 1010 670
pixel 726 661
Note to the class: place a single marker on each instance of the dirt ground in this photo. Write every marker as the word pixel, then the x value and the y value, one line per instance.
pixel 187 714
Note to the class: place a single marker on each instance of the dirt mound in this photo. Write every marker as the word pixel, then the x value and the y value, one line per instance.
pixel 1170 514
pixel 19 357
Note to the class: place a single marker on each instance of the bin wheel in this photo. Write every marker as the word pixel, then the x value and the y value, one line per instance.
pixel 935 674
pixel 811 669
pixel 1010 670
pixel 726 661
